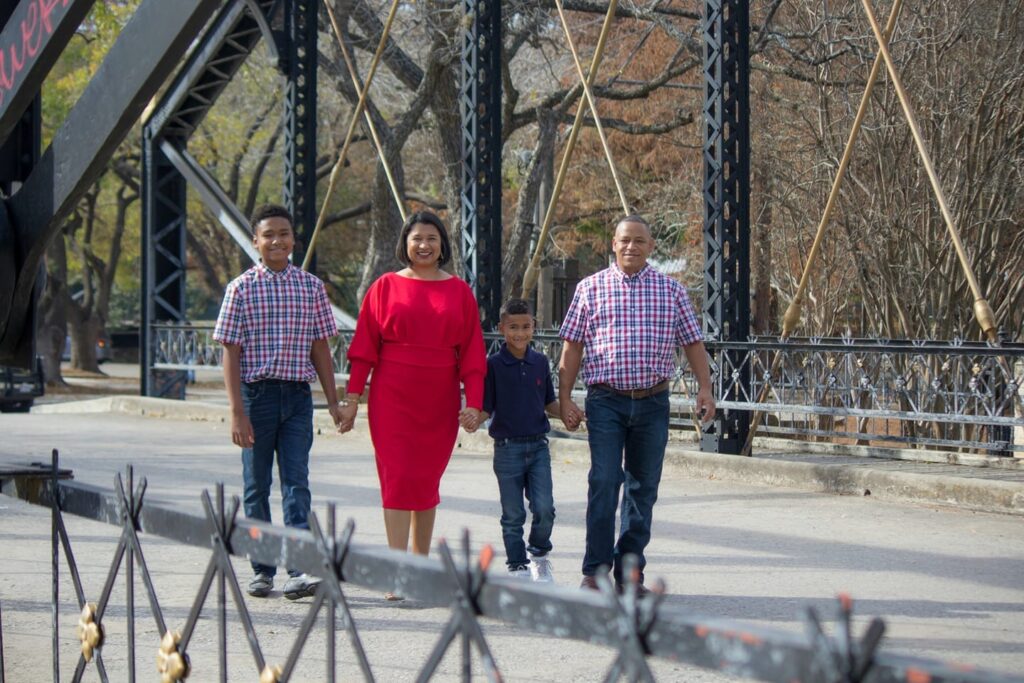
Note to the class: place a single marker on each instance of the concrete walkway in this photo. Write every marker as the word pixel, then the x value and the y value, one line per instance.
pixel 750 539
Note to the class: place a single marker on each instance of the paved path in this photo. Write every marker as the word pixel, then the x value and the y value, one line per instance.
pixel 949 582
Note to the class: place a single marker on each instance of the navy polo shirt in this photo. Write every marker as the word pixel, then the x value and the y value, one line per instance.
pixel 516 391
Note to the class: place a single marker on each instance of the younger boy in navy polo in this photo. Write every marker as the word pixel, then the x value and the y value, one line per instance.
pixel 518 397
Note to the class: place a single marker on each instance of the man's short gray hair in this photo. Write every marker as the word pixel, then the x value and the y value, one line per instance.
pixel 635 218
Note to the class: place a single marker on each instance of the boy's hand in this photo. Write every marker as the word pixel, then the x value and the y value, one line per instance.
pixel 346 415
pixel 469 418
pixel 335 411
pixel 241 430
pixel 572 416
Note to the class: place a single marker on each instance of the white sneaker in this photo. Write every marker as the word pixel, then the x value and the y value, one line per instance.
pixel 519 573
pixel 540 570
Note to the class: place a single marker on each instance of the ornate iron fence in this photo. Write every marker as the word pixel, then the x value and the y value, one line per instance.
pixel 950 395
pixel 636 627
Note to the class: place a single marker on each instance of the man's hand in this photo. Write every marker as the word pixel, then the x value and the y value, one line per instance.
pixel 241 430
pixel 346 415
pixel 572 416
pixel 469 418
pixel 705 405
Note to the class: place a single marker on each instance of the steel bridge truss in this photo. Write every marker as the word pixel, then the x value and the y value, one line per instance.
pixel 634 628
pixel 726 305
pixel 480 108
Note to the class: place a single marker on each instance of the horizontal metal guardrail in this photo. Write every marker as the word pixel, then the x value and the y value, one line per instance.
pixel 947 394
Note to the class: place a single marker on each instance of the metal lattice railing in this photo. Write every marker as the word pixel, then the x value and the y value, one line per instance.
pixel 637 628
pixel 956 394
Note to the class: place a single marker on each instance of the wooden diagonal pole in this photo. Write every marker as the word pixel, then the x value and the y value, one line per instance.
pixel 593 108
pixel 533 270
pixel 336 171
pixel 792 318
pixel 354 75
pixel 982 310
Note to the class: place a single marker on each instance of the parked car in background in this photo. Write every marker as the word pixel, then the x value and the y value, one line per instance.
pixel 103 349
pixel 19 387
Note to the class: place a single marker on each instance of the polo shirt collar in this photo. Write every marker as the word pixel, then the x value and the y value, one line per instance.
pixel 508 359
pixel 643 272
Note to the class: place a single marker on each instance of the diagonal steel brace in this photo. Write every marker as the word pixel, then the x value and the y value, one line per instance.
pixel 465 613
pixel 634 619
pixel 840 660
pixel 332 553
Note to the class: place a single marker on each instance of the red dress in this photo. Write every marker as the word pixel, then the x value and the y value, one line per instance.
pixel 420 338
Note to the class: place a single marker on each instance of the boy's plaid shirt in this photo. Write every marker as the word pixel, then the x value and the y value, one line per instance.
pixel 630 326
pixel 275 318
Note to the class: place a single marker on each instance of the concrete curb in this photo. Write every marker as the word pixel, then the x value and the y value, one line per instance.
pixel 860 479
pixel 985 495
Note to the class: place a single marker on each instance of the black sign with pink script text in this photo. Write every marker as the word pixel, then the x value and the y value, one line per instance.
pixel 31 42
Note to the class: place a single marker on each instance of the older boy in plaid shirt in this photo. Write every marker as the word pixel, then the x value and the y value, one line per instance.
pixel 274 324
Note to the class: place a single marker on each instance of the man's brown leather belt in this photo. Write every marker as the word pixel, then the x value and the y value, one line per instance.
pixel 634 393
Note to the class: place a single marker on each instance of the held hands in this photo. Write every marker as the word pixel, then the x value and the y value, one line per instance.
pixel 572 416
pixel 470 419
pixel 344 414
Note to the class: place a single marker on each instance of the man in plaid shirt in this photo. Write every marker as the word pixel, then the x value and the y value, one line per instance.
pixel 623 326
pixel 274 324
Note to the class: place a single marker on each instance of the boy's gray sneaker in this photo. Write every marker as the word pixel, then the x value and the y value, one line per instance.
pixel 300 586
pixel 261 585
pixel 540 570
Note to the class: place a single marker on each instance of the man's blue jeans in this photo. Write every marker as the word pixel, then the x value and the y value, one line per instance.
pixel 627 445
pixel 523 467
pixel 281 414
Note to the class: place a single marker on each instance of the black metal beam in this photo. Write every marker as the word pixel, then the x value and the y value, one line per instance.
pixel 145 53
pixel 35 33
pixel 164 216
pixel 480 108
pixel 733 647
pixel 299 63
pixel 213 196
pixel 227 43
pixel 726 304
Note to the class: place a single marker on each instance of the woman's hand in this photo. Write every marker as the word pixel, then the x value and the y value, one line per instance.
pixel 470 419
pixel 345 415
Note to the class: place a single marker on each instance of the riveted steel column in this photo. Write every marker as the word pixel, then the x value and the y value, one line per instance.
pixel 299 62
pixel 165 216
pixel 726 203
pixel 480 108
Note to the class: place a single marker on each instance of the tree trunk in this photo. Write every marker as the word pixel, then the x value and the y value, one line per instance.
pixel 51 329
pixel 762 252
pixel 513 263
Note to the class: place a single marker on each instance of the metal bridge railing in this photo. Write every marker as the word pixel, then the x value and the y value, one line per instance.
pixel 636 628
pixel 952 394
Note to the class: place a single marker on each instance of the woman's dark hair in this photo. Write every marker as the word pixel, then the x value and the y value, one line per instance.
pixel 430 218
pixel 265 211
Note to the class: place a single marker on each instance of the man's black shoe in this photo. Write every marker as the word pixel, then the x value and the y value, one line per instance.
pixel 641 590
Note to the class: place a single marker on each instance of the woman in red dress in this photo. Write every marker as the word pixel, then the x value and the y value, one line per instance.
pixel 419 332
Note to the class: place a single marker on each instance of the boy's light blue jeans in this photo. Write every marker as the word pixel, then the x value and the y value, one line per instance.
pixel 627 445
pixel 281 414
pixel 523 467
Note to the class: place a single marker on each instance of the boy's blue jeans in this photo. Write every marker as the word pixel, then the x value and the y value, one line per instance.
pixel 523 467
pixel 627 445
pixel 281 414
